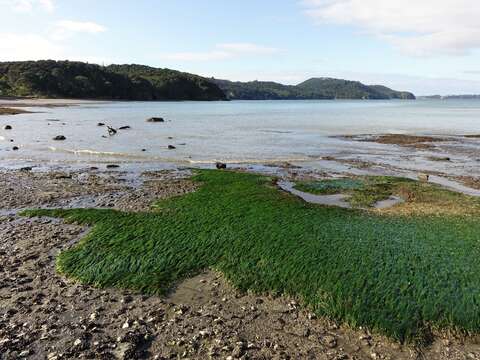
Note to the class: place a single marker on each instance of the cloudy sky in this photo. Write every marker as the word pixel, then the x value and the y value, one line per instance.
pixel 426 46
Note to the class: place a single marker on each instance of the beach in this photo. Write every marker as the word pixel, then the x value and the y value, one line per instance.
pixel 45 315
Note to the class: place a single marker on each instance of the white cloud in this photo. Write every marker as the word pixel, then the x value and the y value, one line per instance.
pixel 27 47
pixel 223 52
pixel 67 28
pixel 29 5
pixel 417 27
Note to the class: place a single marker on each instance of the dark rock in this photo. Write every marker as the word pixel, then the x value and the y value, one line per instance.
pixel 15 148
pixel 59 138
pixel 111 131
pixel 220 165
pixel 144 150
pixel 100 124
pixel 171 147
pixel 26 168
pixel 93 168
pixel 124 127
pixel 112 166
pixel 155 119
pixel 7 127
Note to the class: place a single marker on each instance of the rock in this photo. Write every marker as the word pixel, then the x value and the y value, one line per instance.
pixel 126 324
pixel 7 127
pixel 59 138
pixel 423 177
pixel 171 147
pixel 24 353
pixel 124 127
pixel 220 165
pixel 77 342
pixel 111 131
pixel 330 341
pixel 26 168
pixel 93 168
pixel 100 124
pixel 15 148
pixel 143 150
pixel 155 120
pixel 112 166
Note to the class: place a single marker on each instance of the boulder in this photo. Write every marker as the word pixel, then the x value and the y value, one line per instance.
pixel 155 120
pixel 220 165
pixel 59 138
pixel 7 127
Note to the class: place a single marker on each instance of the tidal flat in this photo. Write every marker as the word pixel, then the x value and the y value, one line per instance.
pixel 255 305
pixel 118 246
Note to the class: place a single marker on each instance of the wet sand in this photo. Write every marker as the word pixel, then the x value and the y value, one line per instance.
pixel 44 315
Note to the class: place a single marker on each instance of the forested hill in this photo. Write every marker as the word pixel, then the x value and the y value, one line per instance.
pixel 68 79
pixel 315 88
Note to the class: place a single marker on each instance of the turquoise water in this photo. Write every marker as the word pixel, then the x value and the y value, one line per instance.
pixel 234 132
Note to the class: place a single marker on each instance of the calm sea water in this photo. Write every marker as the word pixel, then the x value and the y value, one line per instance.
pixel 234 132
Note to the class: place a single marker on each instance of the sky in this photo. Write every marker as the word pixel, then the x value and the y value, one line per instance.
pixel 424 46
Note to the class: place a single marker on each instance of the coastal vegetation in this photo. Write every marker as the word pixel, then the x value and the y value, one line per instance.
pixel 68 79
pixel 315 88
pixel 363 192
pixel 396 274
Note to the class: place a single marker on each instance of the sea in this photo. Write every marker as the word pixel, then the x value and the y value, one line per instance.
pixel 243 133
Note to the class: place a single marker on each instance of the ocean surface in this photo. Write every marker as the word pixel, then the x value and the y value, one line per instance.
pixel 236 132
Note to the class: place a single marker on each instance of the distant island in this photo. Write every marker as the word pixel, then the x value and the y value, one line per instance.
pixel 78 80
pixel 451 97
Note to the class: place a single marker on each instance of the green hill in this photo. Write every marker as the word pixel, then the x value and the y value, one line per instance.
pixel 315 88
pixel 68 79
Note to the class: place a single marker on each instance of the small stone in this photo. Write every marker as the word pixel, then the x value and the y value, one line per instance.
pixel 330 341
pixel 24 353
pixel 220 165
pixel 100 124
pixel 112 166
pixel 77 342
pixel 15 148
pixel 7 127
pixel 126 324
pixel 171 147
pixel 124 127
pixel 59 138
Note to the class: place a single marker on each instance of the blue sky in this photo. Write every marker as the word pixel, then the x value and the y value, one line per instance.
pixel 426 46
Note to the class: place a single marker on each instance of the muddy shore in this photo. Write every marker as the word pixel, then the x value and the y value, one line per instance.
pixel 46 316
